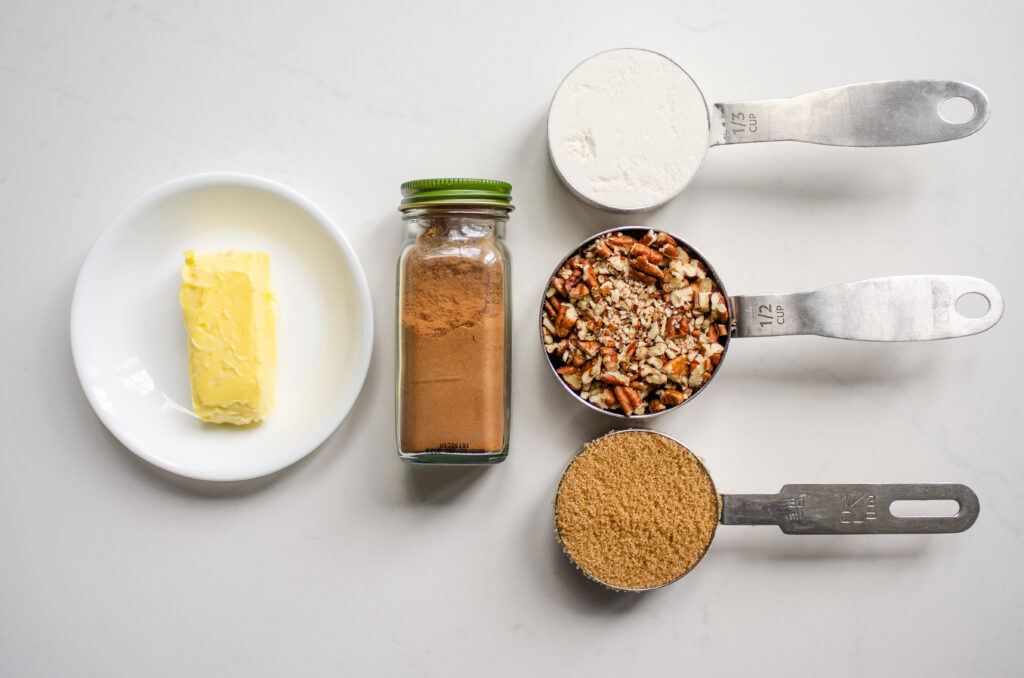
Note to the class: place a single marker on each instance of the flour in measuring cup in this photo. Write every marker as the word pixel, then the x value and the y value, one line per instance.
pixel 627 129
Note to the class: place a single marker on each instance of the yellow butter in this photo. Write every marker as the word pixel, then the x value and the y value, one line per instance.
pixel 229 311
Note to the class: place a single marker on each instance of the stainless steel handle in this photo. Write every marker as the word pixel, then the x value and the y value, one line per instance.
pixel 900 308
pixel 891 113
pixel 849 509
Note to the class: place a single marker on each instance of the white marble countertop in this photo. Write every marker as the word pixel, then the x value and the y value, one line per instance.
pixel 352 563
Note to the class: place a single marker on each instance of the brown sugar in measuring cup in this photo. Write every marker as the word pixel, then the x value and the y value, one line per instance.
pixel 636 510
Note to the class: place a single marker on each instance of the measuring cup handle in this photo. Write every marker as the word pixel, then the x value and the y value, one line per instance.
pixel 890 113
pixel 850 509
pixel 899 308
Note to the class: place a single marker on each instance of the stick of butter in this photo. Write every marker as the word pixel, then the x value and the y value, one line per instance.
pixel 230 316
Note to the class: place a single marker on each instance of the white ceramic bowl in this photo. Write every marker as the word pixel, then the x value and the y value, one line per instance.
pixel 129 340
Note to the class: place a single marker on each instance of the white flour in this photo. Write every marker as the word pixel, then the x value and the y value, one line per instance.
pixel 627 129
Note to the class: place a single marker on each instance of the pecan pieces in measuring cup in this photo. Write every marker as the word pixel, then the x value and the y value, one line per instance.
pixel 634 326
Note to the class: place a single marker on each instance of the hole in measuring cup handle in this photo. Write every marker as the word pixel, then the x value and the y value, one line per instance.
pixel 924 508
pixel 957 110
pixel 973 305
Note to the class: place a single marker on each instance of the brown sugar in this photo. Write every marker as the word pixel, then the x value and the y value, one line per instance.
pixel 453 348
pixel 636 510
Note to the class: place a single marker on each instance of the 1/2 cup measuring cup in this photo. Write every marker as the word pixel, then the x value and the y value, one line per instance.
pixel 636 510
pixel 628 128
pixel 899 308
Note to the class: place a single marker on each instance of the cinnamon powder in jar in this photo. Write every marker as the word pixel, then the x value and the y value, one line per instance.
pixel 453 379
pixel 454 350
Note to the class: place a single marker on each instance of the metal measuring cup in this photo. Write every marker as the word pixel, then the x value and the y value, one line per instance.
pixel 895 308
pixel 609 123
pixel 807 509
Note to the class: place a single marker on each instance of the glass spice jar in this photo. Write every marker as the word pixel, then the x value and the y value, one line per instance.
pixel 453 349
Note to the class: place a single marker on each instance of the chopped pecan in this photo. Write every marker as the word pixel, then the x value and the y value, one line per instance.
pixel 656 378
pixel 662 238
pixel 670 251
pixel 590 278
pixel 603 398
pixel 697 371
pixel 627 355
pixel 644 266
pixel 609 398
pixel 558 347
pixel 677 368
pixel 641 250
pixel 620 241
pixel 719 309
pixel 642 277
pixel 628 399
pixel 602 250
pixel 576 262
pixel 671 397
pixel 567 317
pixel 615 378
pixel 678 326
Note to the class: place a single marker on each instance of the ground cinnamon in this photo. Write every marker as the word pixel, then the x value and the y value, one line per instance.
pixel 453 350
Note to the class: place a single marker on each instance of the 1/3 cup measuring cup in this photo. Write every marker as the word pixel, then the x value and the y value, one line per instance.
pixel 900 308
pixel 636 510
pixel 628 128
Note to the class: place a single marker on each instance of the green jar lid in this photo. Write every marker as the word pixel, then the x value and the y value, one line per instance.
pixel 487 192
